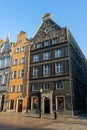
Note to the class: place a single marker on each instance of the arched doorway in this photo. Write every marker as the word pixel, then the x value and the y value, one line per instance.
pixel 47 106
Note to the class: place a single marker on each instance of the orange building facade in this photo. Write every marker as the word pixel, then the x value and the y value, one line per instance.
pixel 18 85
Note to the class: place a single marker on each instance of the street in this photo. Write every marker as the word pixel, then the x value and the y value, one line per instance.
pixel 18 122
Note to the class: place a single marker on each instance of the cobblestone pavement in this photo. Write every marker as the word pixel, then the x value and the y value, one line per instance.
pixel 20 122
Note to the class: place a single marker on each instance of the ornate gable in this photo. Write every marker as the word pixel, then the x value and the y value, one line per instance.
pixel 6 46
pixel 49 30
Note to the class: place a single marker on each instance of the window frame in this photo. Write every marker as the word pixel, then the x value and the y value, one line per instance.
pixel 15 61
pixel 21 73
pixel 46 70
pixel 58 53
pixel 35 71
pixel 22 48
pixel 36 58
pixel 59 85
pixel 58 67
pixel 34 88
pixel 14 74
pixel 22 61
pixel 12 89
pixel 46 55
pixel 46 87
pixel 20 88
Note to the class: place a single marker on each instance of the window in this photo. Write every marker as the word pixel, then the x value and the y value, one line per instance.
pixel 0 79
pixel 23 48
pixel 35 103
pixel 22 60
pixel 8 60
pixel 59 85
pixel 46 87
pixel 60 103
pixel 46 69
pixel 59 67
pixel 58 53
pixel 12 89
pixel 20 41
pixel 15 61
pixel 39 45
pixel 14 74
pixel 35 87
pixel 46 55
pixel 21 73
pixel 2 62
pixel 46 43
pixel 6 78
pixel 17 50
pixel 20 88
pixel 35 71
pixel 54 41
pixel 36 58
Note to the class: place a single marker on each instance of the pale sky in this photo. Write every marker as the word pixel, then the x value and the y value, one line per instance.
pixel 26 15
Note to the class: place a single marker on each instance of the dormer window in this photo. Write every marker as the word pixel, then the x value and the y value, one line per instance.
pixel 54 41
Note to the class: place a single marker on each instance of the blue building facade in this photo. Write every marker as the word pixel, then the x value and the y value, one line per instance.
pixel 5 64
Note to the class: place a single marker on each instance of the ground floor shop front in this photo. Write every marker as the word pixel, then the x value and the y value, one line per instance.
pixel 49 103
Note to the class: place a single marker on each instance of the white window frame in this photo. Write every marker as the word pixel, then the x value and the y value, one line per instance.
pixel 16 62
pixel 39 45
pixel 20 88
pixel 58 67
pixel 45 87
pixel 13 89
pixel 35 88
pixel 54 41
pixel 14 73
pixel 46 69
pixel 22 60
pixel 46 43
pixel 5 78
pixel 22 73
pixel 17 50
pixel 46 55
pixel 58 53
pixel 59 85
pixel 36 58
pixel 23 48
pixel 35 71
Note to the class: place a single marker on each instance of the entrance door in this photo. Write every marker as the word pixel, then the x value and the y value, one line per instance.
pixel 20 102
pixel 46 106
pixel 2 102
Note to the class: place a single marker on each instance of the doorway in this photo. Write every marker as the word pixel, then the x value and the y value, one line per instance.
pixel 20 103
pixel 2 102
pixel 47 106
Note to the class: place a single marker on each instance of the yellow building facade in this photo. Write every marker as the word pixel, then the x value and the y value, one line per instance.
pixel 18 85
